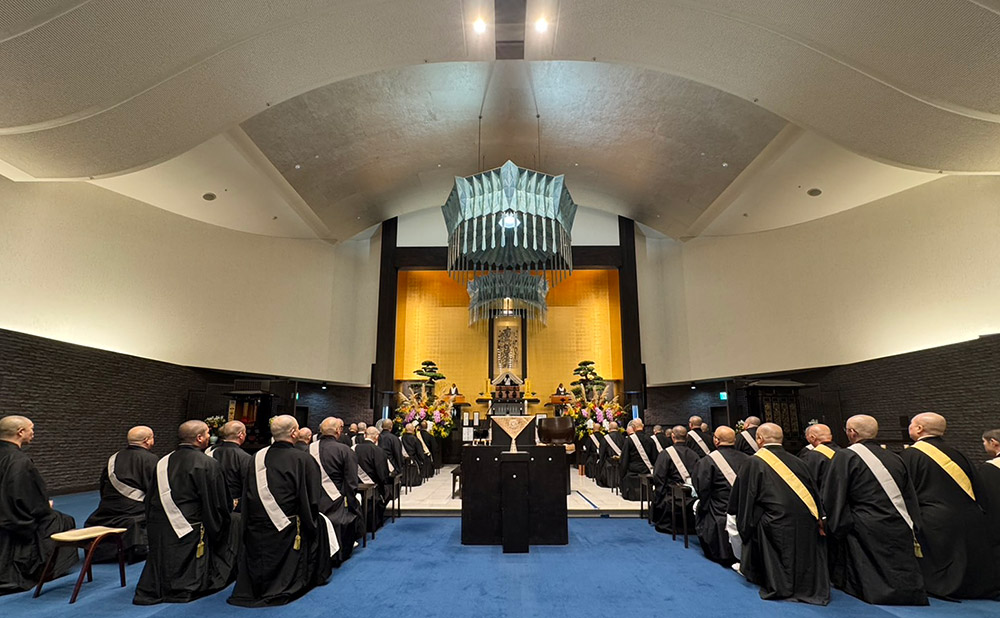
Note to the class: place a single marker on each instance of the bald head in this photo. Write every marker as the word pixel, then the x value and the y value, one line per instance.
pixel 751 421
pixel 861 427
pixel 194 433
pixel 769 433
pixel 284 428
pixel 612 426
pixel 679 434
pixel 694 422
pixel 305 435
pixel 387 425
pixel 331 426
pixel 927 425
pixel 233 431
pixel 140 435
pixel 818 434
pixel 372 434
pixel 724 436
pixel 17 429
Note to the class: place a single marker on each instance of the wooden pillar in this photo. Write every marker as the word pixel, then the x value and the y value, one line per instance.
pixel 385 341
pixel 628 289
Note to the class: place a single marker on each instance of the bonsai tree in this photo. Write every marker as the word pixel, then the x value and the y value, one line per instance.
pixel 588 380
pixel 429 370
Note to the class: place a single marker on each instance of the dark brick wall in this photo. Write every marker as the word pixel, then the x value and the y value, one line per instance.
pixel 84 400
pixel 960 381
pixel 674 405
pixel 351 403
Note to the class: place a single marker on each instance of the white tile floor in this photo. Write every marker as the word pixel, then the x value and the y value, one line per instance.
pixel 433 498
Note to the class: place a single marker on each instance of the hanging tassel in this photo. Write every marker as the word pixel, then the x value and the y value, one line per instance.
pixel 298 534
pixel 201 543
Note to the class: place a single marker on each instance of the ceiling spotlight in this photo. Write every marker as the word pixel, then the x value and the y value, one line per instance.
pixel 324 386
pixel 479 26
pixel 297 166
pixel 541 25
pixel 724 164
pixel 814 192
pixel 208 197
pixel 693 387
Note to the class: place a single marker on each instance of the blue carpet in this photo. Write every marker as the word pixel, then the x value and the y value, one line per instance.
pixel 418 567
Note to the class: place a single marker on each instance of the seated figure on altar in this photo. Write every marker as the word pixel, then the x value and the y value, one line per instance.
pixel 508 395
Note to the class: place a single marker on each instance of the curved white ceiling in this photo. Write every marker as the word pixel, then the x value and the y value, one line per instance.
pixel 97 88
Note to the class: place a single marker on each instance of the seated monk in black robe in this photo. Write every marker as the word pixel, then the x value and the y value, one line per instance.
pixel 746 439
pixel 988 491
pixel 637 459
pixel 187 520
pixel 413 475
pixel 339 479
pixel 674 466
pixel 393 447
pixel 697 440
pixel 428 443
pixel 592 447
pixel 713 480
pixel 373 467
pixel 960 556
pixel 235 464
pixel 823 449
pixel 609 474
pixel 778 514
pixel 287 543
pixel 875 533
pixel 125 480
pixel 27 518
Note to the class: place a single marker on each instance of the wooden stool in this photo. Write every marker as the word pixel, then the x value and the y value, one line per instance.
pixel 83 538
pixel 456 479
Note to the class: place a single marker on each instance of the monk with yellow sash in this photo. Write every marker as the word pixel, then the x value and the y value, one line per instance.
pixel 988 494
pixel 778 516
pixel 823 449
pixel 959 551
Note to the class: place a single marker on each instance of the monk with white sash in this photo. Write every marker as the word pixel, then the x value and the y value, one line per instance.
pixel 125 479
pixel 373 468
pixel 187 520
pixel 288 544
pixel 697 440
pixel 713 479
pixel 960 558
pixel 412 475
pixel 637 459
pixel 988 494
pixel 592 447
pixel 872 512
pixel 746 439
pixel 610 456
pixel 674 466
pixel 778 515
pixel 339 479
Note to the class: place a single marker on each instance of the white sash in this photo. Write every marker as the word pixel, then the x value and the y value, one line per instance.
pixel 330 535
pixel 278 517
pixel 753 443
pixel 659 447
pixel 126 490
pixel 362 475
pixel 642 452
pixel 727 470
pixel 701 443
pixel 422 444
pixel 210 450
pixel 676 458
pixel 614 447
pixel 328 485
pixel 884 479
pixel 174 515
pixel 810 447
pixel 995 461
pixel 597 442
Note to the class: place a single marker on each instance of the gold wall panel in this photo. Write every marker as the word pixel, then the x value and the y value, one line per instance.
pixel 584 323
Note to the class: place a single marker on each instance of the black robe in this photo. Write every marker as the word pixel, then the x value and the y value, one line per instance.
pixel 429 463
pixel 173 572
pixel 135 467
pixel 413 475
pixel 609 470
pixel 876 554
pixel 373 461
pixel 235 464
pixel 393 447
pixel 340 463
pixel 666 474
pixel 632 465
pixel 959 556
pixel 592 463
pixel 988 496
pixel 272 571
pixel 741 443
pixel 783 551
pixel 693 445
pixel 713 501
pixel 347 438
pixel 26 523
pixel 819 463
pixel 662 439
pixel 434 447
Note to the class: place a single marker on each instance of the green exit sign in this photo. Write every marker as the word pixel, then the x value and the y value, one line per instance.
pixel 723 396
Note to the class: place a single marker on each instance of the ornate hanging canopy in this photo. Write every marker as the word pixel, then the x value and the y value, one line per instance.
pixel 509 239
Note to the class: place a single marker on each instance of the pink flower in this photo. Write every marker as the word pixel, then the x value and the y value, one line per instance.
pixel 423 414
pixel 437 417
pixel 586 414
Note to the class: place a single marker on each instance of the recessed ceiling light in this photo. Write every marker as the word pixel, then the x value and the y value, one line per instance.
pixel 541 25
pixel 724 164
pixel 814 192
pixel 576 165
pixel 479 26
pixel 208 197
pixel 297 166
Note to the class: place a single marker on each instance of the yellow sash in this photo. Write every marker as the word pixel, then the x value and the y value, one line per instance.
pixel 789 477
pixel 826 450
pixel 953 469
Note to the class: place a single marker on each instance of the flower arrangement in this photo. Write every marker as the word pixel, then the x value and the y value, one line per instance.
pixel 214 423
pixel 419 407
pixel 599 410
